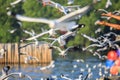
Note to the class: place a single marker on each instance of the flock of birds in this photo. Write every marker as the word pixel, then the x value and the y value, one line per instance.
pixel 68 25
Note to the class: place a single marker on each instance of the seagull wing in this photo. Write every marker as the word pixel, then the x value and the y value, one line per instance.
pixel 34 37
pixel 27 32
pixel 58 6
pixel 50 38
pixel 74 6
pixel 66 35
pixel 16 2
pixel 53 42
pixel 90 38
pixel 57 48
pixel 29 19
pixel 68 48
pixel 74 14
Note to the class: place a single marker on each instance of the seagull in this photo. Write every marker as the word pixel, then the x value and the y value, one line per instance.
pixel 81 77
pixel 13 74
pixel 29 57
pixel 98 30
pixel 64 9
pixel 51 65
pixel 12 31
pixel 61 39
pixel 108 3
pixel 32 33
pixel 2 52
pixel 5 72
pixel 110 33
pixel 90 38
pixel 65 77
pixel 70 2
pixel 62 52
pixel 103 10
pixel 57 5
pixel 93 45
pixel 104 42
pixel 61 23
pixel 96 53
pixel 52 32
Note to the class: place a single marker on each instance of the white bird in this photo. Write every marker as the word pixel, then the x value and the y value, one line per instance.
pixel 81 77
pixel 94 66
pixel 99 56
pixel 89 38
pixel 5 72
pixel 92 45
pixel 108 4
pixel 70 2
pixel 61 38
pixel 32 33
pixel 52 32
pixel 28 57
pixel 12 31
pixel 58 6
pixel 62 23
pixel 64 9
pixel 14 74
pixel 98 30
pixel 82 69
pixel 2 52
pixel 80 60
pixel 103 10
pixel 62 52
pixel 51 65
pixel 65 77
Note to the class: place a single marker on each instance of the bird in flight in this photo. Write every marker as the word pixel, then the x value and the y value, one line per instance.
pixel 61 23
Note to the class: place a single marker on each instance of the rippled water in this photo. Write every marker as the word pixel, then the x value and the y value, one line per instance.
pixel 67 66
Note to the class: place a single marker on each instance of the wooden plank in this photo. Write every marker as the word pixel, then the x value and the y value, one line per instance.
pixel 42 52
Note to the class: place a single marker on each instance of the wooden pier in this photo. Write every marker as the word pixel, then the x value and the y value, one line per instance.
pixel 14 54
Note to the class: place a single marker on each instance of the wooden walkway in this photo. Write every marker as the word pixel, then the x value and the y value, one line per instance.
pixel 13 55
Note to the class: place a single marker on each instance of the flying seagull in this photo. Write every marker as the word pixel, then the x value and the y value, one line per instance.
pixel 62 52
pixel 70 2
pixel 60 23
pixel 52 32
pixel 108 4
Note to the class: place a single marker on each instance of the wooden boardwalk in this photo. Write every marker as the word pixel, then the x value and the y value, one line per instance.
pixel 14 55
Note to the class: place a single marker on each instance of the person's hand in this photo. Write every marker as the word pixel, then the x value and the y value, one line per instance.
pixel 108 14
pixel 100 22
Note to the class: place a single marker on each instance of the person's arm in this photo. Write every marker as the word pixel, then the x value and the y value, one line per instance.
pixel 116 26
pixel 111 15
